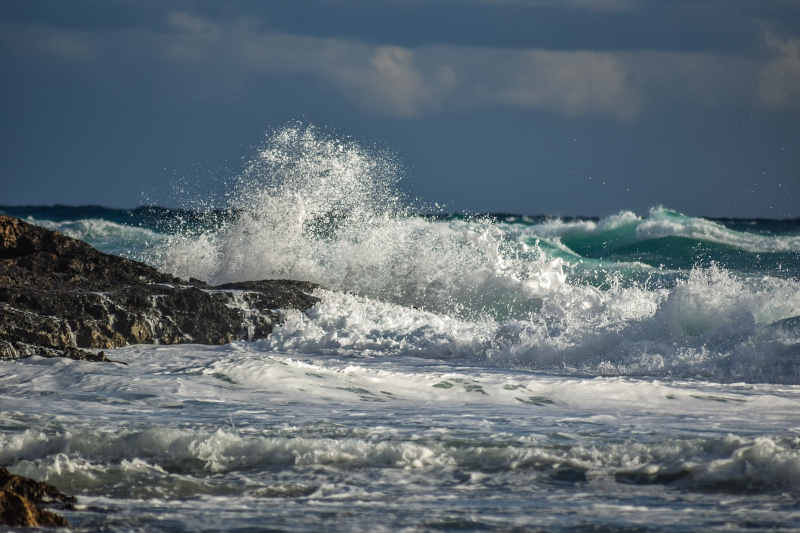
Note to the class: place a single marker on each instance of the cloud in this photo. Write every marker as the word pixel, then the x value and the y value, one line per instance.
pixel 390 80
pixel 383 79
pixel 411 82
pixel 779 81
pixel 236 54
pixel 574 83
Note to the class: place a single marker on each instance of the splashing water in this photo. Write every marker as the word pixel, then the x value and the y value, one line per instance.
pixel 458 372
pixel 575 296
pixel 326 210
pixel 317 208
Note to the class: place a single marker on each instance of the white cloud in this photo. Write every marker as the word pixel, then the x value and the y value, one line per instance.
pixel 779 81
pixel 574 83
pixel 410 82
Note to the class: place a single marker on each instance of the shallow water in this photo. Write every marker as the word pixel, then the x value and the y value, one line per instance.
pixel 238 437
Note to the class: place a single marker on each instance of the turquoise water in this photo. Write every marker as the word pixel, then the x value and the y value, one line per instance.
pixel 662 238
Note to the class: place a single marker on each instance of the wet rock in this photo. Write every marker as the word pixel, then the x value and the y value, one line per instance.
pixel 35 257
pixel 284 294
pixel 22 502
pixel 59 296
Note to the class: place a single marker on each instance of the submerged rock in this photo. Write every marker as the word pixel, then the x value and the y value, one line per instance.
pixel 22 502
pixel 59 295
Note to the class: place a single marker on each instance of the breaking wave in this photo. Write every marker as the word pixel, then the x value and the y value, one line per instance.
pixel 110 237
pixel 327 210
pixel 163 462
pixel 616 232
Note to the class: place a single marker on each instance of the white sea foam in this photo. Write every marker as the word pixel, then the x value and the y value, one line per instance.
pixel 108 236
pixel 454 375
pixel 185 433
pixel 712 325
pixel 165 456
pixel 315 208
pixel 325 210
pixel 625 228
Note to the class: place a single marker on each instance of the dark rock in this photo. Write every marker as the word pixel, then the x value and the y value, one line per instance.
pixel 22 501
pixel 35 257
pixel 58 295
pixel 286 294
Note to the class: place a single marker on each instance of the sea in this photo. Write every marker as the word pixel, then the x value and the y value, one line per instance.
pixel 461 371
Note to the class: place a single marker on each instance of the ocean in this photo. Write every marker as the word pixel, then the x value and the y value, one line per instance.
pixel 462 372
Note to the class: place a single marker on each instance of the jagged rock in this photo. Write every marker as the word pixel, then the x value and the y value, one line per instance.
pixel 286 293
pixel 21 350
pixel 22 501
pixel 58 295
pixel 35 257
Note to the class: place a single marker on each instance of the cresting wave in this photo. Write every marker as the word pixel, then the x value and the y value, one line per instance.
pixel 619 231
pixel 321 209
pixel 110 237
pixel 327 211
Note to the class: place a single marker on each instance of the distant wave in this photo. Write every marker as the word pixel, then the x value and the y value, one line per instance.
pixel 110 237
pixel 623 229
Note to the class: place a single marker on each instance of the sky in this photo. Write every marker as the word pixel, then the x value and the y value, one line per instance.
pixel 560 107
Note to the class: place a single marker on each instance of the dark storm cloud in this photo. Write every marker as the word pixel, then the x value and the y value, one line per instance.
pixel 409 82
pixel 730 26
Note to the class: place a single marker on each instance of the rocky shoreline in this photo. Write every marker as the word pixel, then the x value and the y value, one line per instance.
pixel 59 297
pixel 23 502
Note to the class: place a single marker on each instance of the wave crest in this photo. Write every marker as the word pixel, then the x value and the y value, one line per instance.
pixel 325 210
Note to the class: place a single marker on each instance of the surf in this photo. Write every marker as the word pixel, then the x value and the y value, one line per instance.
pixel 663 294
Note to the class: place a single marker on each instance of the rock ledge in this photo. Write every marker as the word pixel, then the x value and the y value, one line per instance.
pixel 61 297
pixel 22 501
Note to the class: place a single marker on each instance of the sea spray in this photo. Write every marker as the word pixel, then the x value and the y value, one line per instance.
pixel 585 296
pixel 498 292
pixel 501 372
pixel 320 209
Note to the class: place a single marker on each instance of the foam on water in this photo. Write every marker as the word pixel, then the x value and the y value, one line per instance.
pixel 315 208
pixel 548 426
pixel 245 428
pixel 182 457
pixel 265 437
pixel 626 228
pixel 111 237
pixel 458 373
pixel 709 326
pixel 325 210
